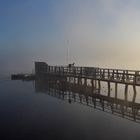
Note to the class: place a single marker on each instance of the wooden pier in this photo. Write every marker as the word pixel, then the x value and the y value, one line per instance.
pixel 92 75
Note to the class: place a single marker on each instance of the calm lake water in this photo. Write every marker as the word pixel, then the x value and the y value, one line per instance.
pixel 28 114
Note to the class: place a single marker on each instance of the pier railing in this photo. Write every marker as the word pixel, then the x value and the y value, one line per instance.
pixel 131 77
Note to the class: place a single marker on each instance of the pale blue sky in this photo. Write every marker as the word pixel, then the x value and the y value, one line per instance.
pixel 102 33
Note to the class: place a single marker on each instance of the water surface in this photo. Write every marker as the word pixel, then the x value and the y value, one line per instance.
pixel 27 114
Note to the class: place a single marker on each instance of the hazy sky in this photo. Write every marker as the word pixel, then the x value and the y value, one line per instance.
pixel 103 33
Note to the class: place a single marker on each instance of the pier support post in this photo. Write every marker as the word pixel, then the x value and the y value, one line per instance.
pixel 79 81
pixel 108 83
pixel 116 90
pixel 135 92
pixel 85 83
pixel 74 80
pixel 69 79
pixel 95 84
pixel 92 85
pixel 126 92
pixel 116 93
pixel 99 86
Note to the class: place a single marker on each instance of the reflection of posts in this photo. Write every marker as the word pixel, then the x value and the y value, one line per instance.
pixel 112 107
pixel 74 97
pixel 69 101
pixel 86 96
pixel 116 89
pixel 134 96
pixel 134 113
pixel 85 83
pixel 122 110
pixel 71 91
pixel 126 92
pixel 80 97
pixel 102 102
pixel 94 101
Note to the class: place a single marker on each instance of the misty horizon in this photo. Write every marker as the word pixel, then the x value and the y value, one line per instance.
pixel 97 33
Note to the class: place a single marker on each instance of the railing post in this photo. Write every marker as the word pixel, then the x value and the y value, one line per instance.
pixel 108 75
pixel 135 75
pixel 123 76
pixel 103 75
pixel 113 75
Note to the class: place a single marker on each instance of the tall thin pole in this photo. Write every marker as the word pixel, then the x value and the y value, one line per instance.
pixel 67 57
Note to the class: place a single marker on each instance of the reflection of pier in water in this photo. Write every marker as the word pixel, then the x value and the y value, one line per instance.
pixel 72 92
